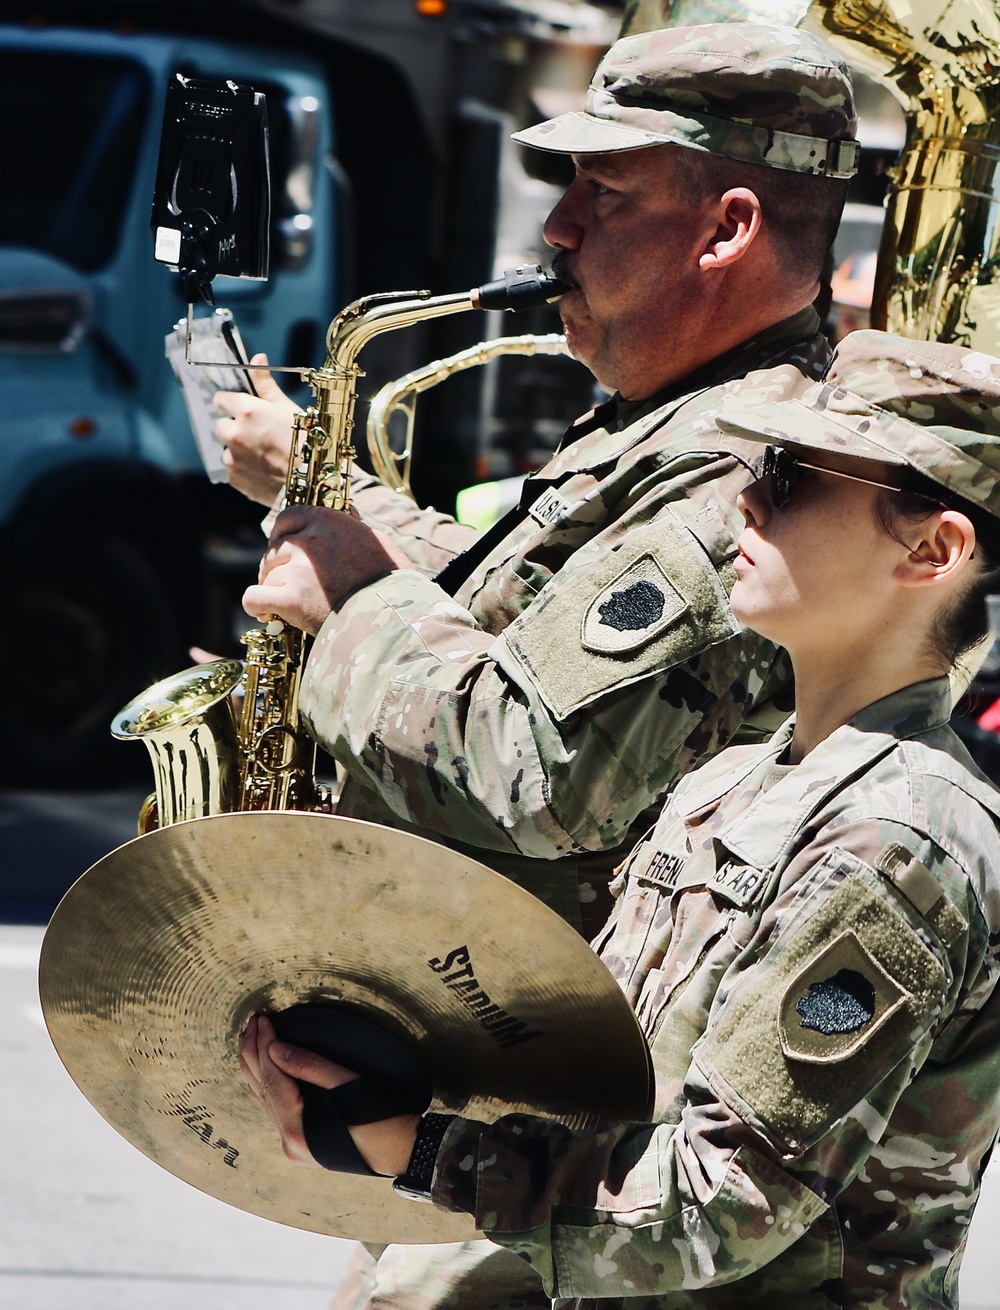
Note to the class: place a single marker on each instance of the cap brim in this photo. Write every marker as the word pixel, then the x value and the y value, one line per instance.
pixel 578 133
pixel 821 440
pixel 796 426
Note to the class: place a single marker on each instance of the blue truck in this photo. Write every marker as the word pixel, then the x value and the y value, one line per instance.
pixel 391 168
pixel 113 539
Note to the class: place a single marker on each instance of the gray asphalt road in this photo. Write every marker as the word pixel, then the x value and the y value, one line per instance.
pixel 47 839
pixel 86 1221
pixel 89 1223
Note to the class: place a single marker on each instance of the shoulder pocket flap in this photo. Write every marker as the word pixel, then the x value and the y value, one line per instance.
pixel 652 603
pixel 842 998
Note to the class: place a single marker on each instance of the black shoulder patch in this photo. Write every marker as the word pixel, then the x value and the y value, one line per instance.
pixel 839 998
pixel 841 1004
pixel 635 608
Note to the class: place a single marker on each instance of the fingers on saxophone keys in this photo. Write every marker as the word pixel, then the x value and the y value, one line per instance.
pixel 261 602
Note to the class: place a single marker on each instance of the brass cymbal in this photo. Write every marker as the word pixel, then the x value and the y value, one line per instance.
pixel 157 957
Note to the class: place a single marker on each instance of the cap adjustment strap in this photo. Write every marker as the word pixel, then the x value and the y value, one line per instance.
pixel 842 158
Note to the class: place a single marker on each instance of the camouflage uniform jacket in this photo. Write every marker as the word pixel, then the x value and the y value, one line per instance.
pixel 590 659
pixel 812 954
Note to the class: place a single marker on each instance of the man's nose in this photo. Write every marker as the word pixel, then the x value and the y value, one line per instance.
pixel 562 229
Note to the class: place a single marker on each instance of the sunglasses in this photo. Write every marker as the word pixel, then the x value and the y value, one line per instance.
pixel 783 468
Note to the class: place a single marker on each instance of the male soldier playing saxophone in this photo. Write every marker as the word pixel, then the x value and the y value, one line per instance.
pixel 589 656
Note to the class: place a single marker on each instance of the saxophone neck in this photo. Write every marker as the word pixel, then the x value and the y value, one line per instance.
pixel 516 289
pixel 359 322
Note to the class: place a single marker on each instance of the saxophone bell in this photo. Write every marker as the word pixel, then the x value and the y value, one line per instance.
pixel 188 724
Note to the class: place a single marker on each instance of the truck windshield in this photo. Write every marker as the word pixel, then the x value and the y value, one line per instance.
pixel 73 128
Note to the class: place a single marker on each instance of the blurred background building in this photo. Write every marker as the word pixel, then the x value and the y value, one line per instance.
pixel 392 168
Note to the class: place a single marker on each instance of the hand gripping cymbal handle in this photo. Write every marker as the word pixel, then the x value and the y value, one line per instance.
pixel 391 1079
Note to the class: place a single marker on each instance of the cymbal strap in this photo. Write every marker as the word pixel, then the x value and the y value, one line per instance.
pixel 326 1132
pixel 391 1080
pixel 365 1101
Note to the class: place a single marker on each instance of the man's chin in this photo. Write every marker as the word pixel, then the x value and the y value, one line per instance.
pixel 585 352
pixel 580 341
pixel 577 348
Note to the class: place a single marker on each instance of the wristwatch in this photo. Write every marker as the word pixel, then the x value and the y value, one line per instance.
pixel 415 1184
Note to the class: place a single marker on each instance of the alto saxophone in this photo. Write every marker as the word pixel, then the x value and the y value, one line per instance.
pixel 204 760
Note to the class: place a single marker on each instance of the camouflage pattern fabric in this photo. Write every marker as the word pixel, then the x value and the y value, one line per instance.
pixel 646 15
pixel 588 662
pixel 917 405
pixel 762 94
pixel 812 953
pixel 511 719
pixel 460 1275
pixel 429 538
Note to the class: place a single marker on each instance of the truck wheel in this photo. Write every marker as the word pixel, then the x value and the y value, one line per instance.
pixel 84 631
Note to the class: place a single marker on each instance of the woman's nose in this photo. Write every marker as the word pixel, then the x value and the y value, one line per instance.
pixel 754 502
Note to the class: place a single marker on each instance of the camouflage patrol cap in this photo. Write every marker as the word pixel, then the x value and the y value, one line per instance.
pixel 921 406
pixel 761 94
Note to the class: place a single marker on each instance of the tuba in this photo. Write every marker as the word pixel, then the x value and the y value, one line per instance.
pixel 204 761
pixel 937 273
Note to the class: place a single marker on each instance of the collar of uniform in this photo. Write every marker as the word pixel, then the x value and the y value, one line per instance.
pixel 616 414
pixel 601 416
pixel 704 788
pixel 909 711
pixel 764 831
pixel 733 364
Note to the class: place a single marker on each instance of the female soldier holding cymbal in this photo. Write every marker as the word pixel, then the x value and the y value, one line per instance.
pixel 809 934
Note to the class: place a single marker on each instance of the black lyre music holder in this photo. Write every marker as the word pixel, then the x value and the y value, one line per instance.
pixel 211 205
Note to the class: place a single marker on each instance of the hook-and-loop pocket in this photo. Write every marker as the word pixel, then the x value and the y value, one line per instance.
pixel 843 995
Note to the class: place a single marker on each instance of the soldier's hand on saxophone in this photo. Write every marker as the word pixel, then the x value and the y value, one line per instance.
pixel 315 558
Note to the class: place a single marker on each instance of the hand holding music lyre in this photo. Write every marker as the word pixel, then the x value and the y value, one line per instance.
pixel 257 433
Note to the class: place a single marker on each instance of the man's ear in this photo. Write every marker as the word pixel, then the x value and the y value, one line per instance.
pixel 940 550
pixel 738 222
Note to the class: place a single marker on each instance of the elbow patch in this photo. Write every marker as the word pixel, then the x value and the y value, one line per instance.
pixel 653 601
pixel 845 993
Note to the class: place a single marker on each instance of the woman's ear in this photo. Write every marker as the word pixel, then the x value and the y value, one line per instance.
pixel 737 224
pixel 940 550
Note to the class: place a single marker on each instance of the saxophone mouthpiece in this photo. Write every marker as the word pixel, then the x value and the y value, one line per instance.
pixel 519 288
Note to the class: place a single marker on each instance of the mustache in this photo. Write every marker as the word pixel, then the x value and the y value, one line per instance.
pixel 560 269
